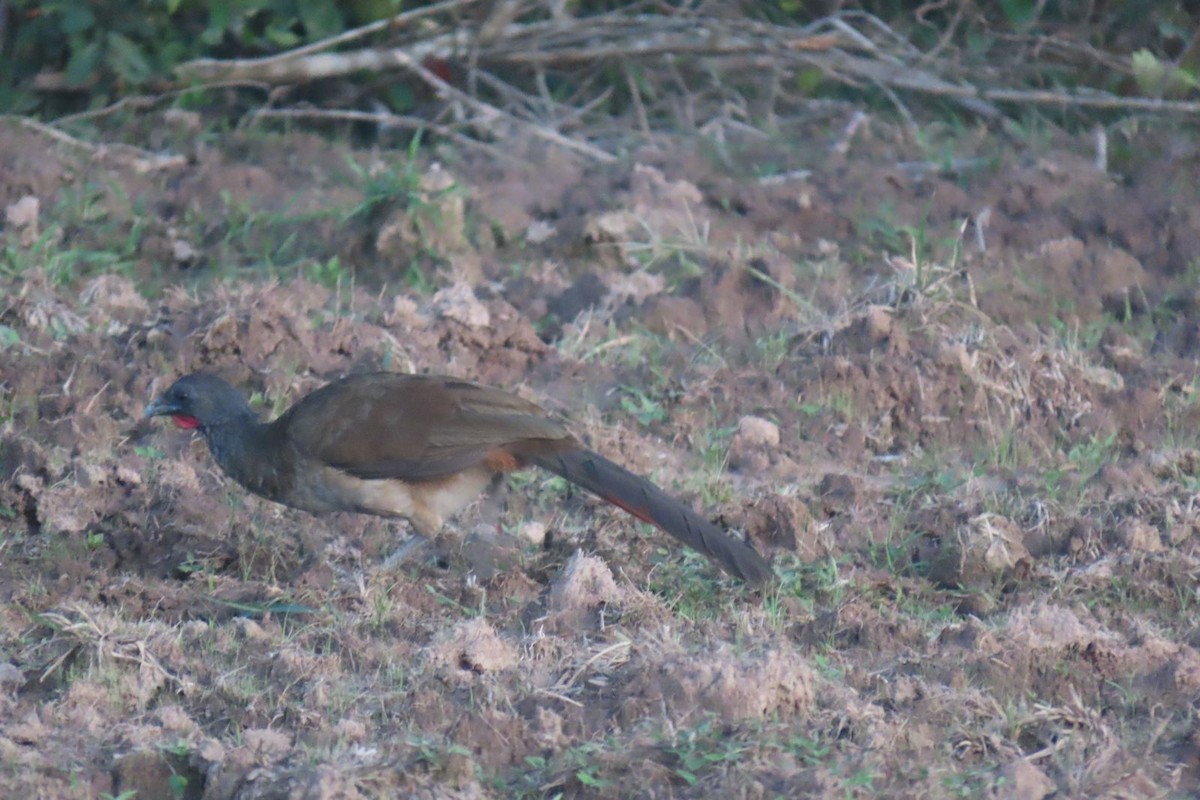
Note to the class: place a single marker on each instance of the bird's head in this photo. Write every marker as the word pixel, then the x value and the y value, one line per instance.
pixel 200 400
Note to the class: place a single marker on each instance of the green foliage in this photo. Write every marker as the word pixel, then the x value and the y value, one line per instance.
pixel 331 273
pixel 109 47
pixel 389 186
pixel 646 409
pixel 100 47
pixel 1155 77
pixel 8 337
pixel 708 746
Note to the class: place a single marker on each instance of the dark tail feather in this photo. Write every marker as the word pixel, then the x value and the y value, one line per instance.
pixel 647 502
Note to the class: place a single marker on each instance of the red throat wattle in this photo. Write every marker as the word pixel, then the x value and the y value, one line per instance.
pixel 186 422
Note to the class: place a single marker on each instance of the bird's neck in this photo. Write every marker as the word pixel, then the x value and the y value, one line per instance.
pixel 247 450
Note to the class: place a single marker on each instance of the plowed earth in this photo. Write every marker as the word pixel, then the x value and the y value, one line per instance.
pixel 958 411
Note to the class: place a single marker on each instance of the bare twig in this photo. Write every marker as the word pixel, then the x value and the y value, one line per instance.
pixel 1091 100
pixel 636 95
pixel 382 119
pixel 843 143
pixel 1101 137
pixel 854 49
pixel 491 112
pixel 142 161
pixel 393 23
pixel 141 101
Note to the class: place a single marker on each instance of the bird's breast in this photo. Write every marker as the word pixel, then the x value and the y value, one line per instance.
pixel 329 489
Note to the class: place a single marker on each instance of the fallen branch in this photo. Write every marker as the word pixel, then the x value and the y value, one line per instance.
pixel 393 23
pixel 142 102
pixel 384 120
pixel 1091 99
pixel 854 49
pixel 491 113
pixel 142 161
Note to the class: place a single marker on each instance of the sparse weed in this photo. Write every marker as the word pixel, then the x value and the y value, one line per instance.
pixel 693 751
pixel 642 406
pixel 385 185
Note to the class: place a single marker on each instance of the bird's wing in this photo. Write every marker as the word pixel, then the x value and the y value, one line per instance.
pixel 414 427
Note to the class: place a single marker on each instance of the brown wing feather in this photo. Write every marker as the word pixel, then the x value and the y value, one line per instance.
pixel 412 427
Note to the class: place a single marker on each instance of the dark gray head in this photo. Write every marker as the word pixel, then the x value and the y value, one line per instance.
pixel 201 400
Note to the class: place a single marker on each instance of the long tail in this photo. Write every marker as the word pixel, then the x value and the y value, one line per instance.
pixel 647 502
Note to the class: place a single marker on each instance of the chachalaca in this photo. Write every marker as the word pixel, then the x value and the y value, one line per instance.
pixel 420 447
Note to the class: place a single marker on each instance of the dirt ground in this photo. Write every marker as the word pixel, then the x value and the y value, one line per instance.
pixel 955 399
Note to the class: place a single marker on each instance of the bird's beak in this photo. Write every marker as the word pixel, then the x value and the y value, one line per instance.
pixel 157 408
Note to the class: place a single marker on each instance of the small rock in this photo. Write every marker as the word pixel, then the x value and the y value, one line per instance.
pixel 473 648
pixel 548 727
pixel 11 678
pixel 406 313
pixel 1121 350
pixel 611 227
pixel 954 355
pixel 1103 377
pixel 636 286
pixel 91 475
pixel 539 231
pixel 68 509
pixel 184 121
pixel 1134 786
pixel 837 493
pixel 350 730
pixel 746 685
pixel 221 335
pixel 268 746
pixel 670 315
pixel 1061 255
pixel 775 520
pixel 609 235
pixel 754 444
pixel 211 750
pixel 145 773
pixel 183 253
pixel 128 477
pixel 879 323
pixel 30 483
pixel 435 222
pixel 586 582
pixel 251 630
pixel 459 303
pixel 22 216
pixel 457 771
pixel 757 432
pixel 114 296
pixel 29 730
pixel 534 531
pixel 1023 781
pixel 988 547
pixel 175 719
pixel 1139 536
pixel 651 183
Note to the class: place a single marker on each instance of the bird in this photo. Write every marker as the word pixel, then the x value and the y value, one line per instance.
pixel 420 447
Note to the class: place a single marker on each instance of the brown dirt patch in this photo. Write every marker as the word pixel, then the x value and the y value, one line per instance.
pixel 974 467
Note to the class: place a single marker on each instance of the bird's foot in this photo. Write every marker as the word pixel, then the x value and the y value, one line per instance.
pixel 413 546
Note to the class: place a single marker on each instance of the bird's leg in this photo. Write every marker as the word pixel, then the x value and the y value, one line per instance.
pixel 494 504
pixel 415 544
pixel 448 545
pixel 489 550
pixel 426 529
